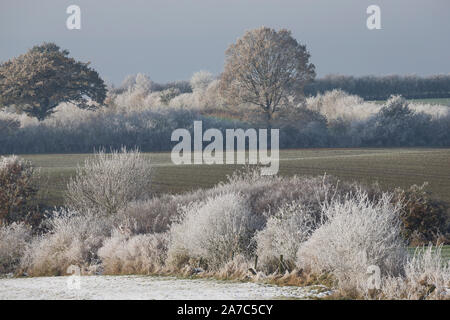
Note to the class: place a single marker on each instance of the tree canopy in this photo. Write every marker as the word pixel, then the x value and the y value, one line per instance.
pixel 266 68
pixel 37 81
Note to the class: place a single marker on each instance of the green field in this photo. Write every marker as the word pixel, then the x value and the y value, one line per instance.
pixel 445 253
pixel 389 167
pixel 441 101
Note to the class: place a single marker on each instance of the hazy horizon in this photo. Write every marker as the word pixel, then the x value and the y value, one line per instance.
pixel 170 40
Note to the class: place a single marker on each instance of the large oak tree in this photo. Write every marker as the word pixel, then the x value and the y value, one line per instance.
pixel 265 68
pixel 37 81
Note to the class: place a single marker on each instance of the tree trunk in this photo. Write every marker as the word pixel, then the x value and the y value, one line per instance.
pixel 269 128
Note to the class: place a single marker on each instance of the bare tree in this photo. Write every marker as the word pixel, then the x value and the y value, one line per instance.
pixel 265 68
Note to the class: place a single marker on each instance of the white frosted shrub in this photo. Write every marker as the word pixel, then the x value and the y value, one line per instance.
pixel 285 231
pixel 200 80
pixel 108 182
pixel 356 234
pixel 69 116
pixel 22 119
pixel 268 193
pixel 133 254
pixel 212 231
pixel 136 100
pixel 73 240
pixel 185 100
pixel 14 240
pixel 426 276
pixel 151 216
pixel 434 110
pixel 137 90
pixel 143 83
pixel 337 104
pixel 265 195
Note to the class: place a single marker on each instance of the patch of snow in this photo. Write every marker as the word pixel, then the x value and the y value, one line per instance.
pixel 146 287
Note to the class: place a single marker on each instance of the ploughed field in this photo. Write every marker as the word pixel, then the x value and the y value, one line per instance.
pixel 389 167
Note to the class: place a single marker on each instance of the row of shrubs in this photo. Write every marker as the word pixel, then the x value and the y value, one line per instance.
pixel 301 229
pixel 72 130
pixel 139 118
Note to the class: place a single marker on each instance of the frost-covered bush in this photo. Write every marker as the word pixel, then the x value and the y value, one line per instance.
pixel 259 198
pixel 285 231
pixel 14 240
pixel 201 80
pixel 167 95
pixel 424 218
pixel 133 254
pixel 71 129
pixel 73 240
pixel 108 182
pixel 355 122
pixel 426 276
pixel 396 124
pixel 212 231
pixel 17 188
pixel 356 233
pixel 151 216
pixel 434 110
pixel 8 125
pixel 267 193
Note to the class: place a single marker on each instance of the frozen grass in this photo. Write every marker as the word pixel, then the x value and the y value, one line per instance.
pixel 73 240
pixel 427 276
pixel 14 240
pixel 138 254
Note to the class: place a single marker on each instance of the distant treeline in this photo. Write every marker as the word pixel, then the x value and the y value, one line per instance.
pixel 380 88
pixel 367 87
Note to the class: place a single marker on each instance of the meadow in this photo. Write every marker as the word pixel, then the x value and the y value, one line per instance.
pixel 431 101
pixel 391 168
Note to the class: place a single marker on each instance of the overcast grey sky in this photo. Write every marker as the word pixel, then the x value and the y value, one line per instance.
pixel 171 39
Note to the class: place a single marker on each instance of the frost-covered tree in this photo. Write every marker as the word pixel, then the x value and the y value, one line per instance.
pixel 168 94
pixel 37 81
pixel 201 80
pixel 265 68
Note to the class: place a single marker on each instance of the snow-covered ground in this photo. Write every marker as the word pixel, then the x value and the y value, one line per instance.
pixel 145 287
